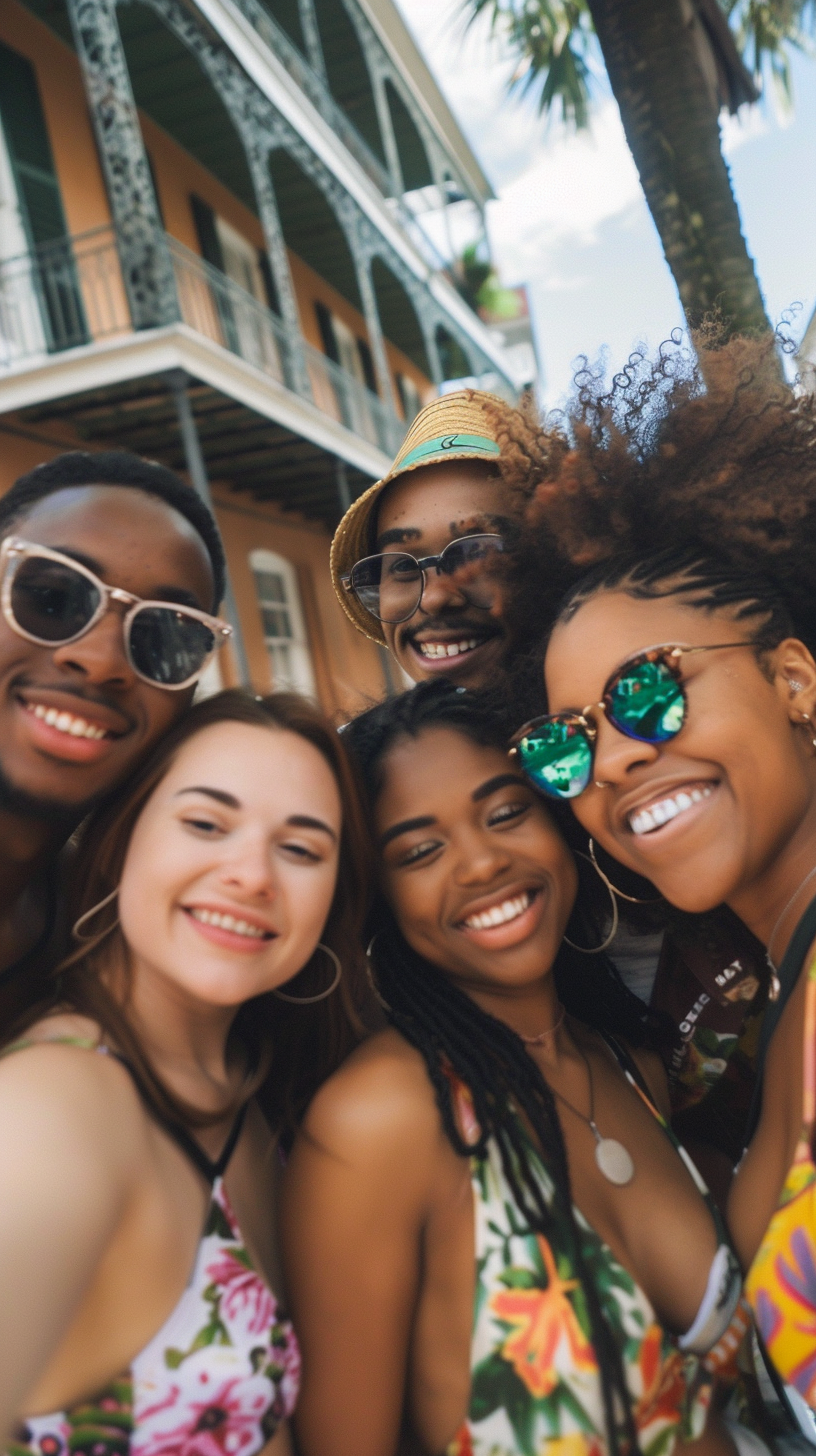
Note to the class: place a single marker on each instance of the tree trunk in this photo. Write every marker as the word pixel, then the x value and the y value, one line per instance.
pixel 672 127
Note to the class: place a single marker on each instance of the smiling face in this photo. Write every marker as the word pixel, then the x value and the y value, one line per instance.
pixel 74 719
pixel 479 878
pixel 421 512
pixel 231 869
pixel 707 814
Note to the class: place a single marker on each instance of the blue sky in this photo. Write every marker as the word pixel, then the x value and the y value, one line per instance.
pixel 570 219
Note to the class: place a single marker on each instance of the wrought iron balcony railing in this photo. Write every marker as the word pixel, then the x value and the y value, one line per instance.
pixel 69 293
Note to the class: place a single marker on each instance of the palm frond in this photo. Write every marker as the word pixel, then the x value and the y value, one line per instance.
pixel 550 39
pixel 765 30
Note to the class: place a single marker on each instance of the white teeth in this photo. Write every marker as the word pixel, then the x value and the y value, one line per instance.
pixel 499 914
pixel 645 820
pixel 67 723
pixel 447 649
pixel 227 922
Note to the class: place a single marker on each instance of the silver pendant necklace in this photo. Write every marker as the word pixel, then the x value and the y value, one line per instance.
pixel 775 987
pixel 613 1159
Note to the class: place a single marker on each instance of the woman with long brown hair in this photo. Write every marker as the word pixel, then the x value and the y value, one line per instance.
pixel 215 976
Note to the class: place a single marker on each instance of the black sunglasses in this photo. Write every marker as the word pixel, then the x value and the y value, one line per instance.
pixel 644 699
pixel 390 585
pixel 52 600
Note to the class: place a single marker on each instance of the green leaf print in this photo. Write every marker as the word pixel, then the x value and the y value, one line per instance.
pixel 217 1223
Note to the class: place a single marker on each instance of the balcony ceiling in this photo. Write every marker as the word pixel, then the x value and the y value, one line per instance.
pixel 243 451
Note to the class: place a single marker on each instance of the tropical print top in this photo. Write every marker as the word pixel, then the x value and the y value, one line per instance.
pixel 781 1284
pixel 216 1380
pixel 535 1381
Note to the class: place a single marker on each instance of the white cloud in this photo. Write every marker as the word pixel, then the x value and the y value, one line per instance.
pixel 573 184
pixel 748 124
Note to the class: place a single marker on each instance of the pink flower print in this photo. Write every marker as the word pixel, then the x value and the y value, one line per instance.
pixel 285 1371
pixel 246 1306
pixel 223 1422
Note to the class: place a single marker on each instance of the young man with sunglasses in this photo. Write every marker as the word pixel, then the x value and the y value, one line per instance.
pixel 415 560
pixel 110 570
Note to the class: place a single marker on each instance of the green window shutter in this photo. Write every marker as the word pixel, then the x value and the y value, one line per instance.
pixel 53 270
pixel 207 233
pixel 212 253
pixel 29 149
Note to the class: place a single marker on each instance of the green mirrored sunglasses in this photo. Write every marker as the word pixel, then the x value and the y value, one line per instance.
pixel 644 699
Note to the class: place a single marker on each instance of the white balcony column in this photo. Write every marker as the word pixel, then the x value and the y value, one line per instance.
pixel 145 259
pixel 295 362
pixel 382 373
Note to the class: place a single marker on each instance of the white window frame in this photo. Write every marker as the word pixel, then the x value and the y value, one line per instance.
pixel 290 659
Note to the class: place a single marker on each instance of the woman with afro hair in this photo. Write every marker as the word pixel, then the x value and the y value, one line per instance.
pixel 677 520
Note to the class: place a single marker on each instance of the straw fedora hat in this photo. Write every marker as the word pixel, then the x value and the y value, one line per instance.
pixel 453 427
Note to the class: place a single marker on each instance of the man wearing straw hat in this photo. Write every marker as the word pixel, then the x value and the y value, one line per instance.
pixel 415 559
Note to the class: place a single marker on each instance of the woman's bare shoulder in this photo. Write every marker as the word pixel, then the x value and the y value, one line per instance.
pixel 53 1073
pixel 382 1092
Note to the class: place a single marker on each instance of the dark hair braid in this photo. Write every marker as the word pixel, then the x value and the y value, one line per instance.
pixel 453 1035
pixel 458 1040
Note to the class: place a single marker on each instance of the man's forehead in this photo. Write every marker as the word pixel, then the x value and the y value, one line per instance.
pixel 438 507
pixel 108 525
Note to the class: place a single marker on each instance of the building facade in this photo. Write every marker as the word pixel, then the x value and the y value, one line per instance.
pixel 215 250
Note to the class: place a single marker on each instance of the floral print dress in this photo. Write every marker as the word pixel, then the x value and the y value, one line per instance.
pixel 535 1380
pixel 781 1283
pixel 216 1380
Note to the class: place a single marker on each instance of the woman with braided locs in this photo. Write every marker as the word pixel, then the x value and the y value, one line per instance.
pixel 683 507
pixel 449 1294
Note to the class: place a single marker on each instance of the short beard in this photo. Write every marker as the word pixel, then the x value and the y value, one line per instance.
pixel 61 818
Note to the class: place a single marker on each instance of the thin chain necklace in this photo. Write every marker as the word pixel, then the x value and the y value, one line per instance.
pixel 613 1159
pixel 773 994
pixel 542 1035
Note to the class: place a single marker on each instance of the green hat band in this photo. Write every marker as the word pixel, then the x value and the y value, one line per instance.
pixel 445 444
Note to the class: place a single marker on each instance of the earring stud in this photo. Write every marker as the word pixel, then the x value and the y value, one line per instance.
pixel 795 687
pixel 805 722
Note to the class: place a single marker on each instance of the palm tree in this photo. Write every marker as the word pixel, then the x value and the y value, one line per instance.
pixel 672 65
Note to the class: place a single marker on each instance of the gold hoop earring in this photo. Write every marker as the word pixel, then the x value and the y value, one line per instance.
pixel 613 889
pixel 370 976
pixel 310 1000
pixel 94 910
pixel 596 949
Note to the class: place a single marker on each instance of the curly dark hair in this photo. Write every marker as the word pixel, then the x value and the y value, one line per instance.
pixel 692 473
pixel 453 1034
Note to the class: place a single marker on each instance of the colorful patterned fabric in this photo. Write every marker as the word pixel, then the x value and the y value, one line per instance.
pixel 535 1382
pixel 781 1284
pixel 216 1380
